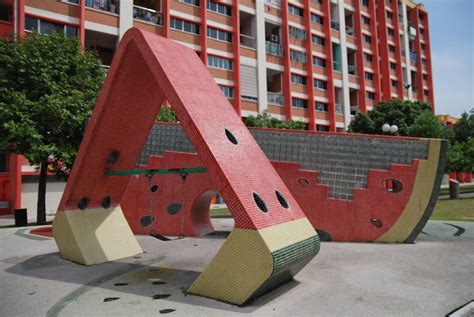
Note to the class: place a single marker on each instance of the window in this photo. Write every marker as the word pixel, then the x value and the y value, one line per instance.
pixel 295 10
pixel 394 83
pixel 317 1
pixel 46 27
pixel 6 13
pixel 389 14
pixel 227 91
pixel 424 61
pixel 298 33
pixel 318 40
pixel 390 31
pixel 219 35
pixel 425 76
pixel 393 65
pixel 185 26
pixel 298 79
pixel 191 2
pixel 370 95
pixel 298 56
pixel 365 3
pixel 322 128
pixel 369 76
pixel 219 62
pixel 391 48
pixel 365 20
pixel 317 19
pixel 3 162
pixel 219 8
pixel 422 31
pixel 320 62
pixel 367 38
pixel 321 106
pixel 320 84
pixel 367 57
pixel 299 103
pixel 426 92
pixel 423 46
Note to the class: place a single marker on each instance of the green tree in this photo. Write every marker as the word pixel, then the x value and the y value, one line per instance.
pixel 402 113
pixel 265 120
pixel 428 126
pixel 464 128
pixel 48 86
pixel 166 115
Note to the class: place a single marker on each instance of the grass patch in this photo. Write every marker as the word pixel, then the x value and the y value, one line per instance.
pixel 454 210
pixel 220 212
pixel 462 190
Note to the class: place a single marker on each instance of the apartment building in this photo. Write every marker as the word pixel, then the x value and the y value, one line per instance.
pixel 318 61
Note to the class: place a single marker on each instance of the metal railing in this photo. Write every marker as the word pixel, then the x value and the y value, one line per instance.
pixel 105 5
pixel 354 110
pixel 413 56
pixel 274 48
pixel 148 15
pixel 275 98
pixel 352 70
pixel 248 41
pixel 249 98
pixel 349 30
pixel 336 66
pixel 273 3
pixel 339 108
pixel 106 69
pixel 335 26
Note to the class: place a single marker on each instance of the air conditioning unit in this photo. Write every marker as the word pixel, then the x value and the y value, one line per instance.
pixel 274 38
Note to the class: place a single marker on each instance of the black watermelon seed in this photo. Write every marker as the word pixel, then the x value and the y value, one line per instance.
pixel 166 311
pixel 110 299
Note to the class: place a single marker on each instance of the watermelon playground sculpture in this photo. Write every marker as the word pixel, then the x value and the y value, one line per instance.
pixel 351 187
pixel 272 239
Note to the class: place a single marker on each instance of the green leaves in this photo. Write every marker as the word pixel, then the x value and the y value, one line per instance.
pixel 265 120
pixel 48 87
pixel 402 113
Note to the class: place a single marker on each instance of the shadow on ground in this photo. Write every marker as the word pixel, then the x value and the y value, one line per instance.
pixel 145 279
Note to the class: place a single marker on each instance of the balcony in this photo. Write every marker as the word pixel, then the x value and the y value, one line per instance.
pixel 335 26
pixel 248 41
pixel 275 98
pixel 354 110
pixel 349 30
pixel 273 3
pixel 337 66
pixel 147 15
pixel 274 48
pixel 413 56
pixel 339 108
pixel 105 5
pixel 352 70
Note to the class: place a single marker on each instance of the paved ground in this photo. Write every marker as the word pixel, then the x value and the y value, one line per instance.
pixel 430 278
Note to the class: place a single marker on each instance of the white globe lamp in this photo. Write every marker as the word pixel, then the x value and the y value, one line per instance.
pixel 386 127
pixel 393 129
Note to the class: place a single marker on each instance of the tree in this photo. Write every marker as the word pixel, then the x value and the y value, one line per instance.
pixel 166 114
pixel 464 128
pixel 402 113
pixel 265 120
pixel 48 86
pixel 427 125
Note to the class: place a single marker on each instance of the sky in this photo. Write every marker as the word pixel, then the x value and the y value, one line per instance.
pixel 452 38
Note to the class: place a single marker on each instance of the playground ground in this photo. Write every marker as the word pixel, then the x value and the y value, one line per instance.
pixel 432 277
